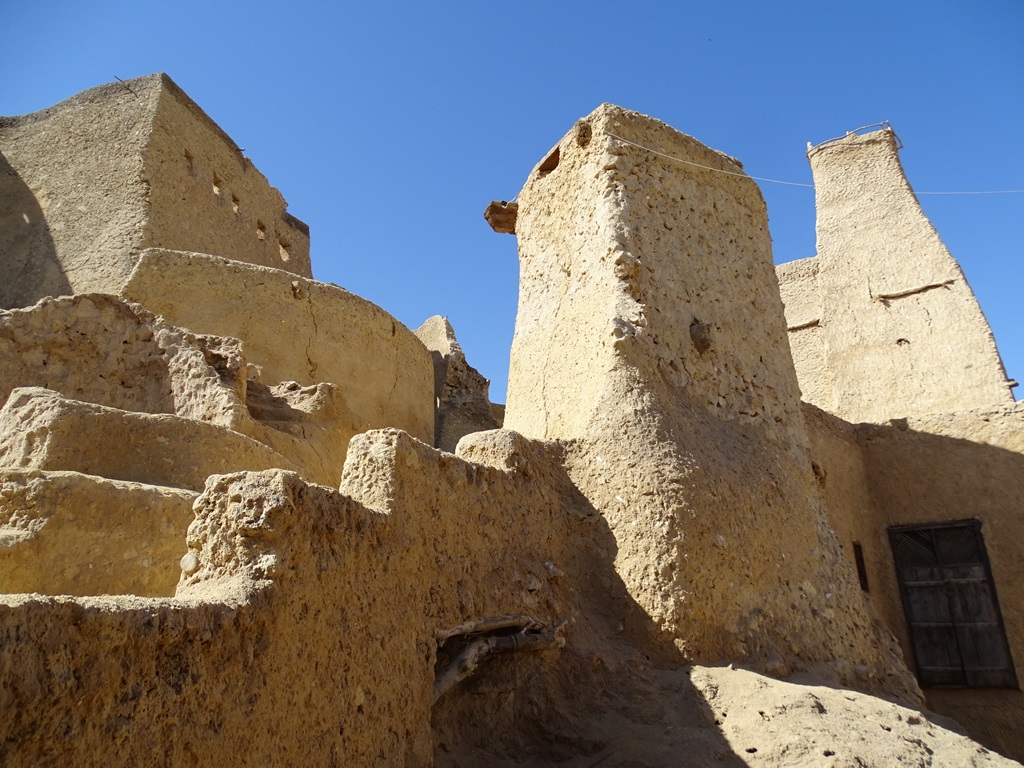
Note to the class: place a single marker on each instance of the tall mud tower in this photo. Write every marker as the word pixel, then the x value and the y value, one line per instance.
pixel 651 339
pixel 883 323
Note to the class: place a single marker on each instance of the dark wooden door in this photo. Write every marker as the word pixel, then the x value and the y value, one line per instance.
pixel 950 603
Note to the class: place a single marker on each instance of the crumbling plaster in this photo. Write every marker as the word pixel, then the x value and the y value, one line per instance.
pixel 294 329
pixel 650 333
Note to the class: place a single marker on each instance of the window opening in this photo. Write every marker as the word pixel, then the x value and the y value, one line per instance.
pixel 862 571
pixel 949 599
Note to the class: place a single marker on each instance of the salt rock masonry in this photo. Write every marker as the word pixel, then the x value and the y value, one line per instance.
pixel 88 184
pixel 651 334
pixel 249 518
pixel 900 331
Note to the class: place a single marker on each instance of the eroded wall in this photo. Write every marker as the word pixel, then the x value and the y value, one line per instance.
pixel 67 533
pixel 303 631
pixel 298 330
pixel 462 406
pixel 651 335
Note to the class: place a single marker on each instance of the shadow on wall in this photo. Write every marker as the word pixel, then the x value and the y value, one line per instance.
pixel 921 478
pixel 618 691
pixel 30 267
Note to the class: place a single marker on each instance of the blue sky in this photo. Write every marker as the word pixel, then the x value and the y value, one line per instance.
pixel 390 126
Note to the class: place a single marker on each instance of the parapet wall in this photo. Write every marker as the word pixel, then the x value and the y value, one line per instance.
pixel 304 629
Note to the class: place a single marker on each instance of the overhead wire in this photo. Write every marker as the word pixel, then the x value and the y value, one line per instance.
pixel 790 183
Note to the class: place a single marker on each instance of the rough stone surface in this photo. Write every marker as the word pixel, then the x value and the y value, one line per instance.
pixel 295 616
pixel 650 333
pixel 65 533
pixel 103 350
pixel 87 184
pixel 665 499
pixel 901 333
pixel 39 429
pixel 310 426
pixel 336 337
pixel 459 390
pixel 288 578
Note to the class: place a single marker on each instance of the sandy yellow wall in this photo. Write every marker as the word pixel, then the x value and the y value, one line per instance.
pixel 72 192
pixel 899 330
pixel 206 196
pixel 934 469
pixel 89 183
pixel 651 333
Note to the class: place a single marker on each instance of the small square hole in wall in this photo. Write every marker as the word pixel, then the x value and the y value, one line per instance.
pixel 218 182
pixel 261 231
pixel 283 250
pixel 234 203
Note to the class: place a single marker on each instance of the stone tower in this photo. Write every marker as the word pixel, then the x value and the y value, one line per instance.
pixel 650 336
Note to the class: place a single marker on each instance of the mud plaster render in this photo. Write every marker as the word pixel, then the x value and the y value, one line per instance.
pixel 299 330
pixel 460 392
pixel 901 333
pixel 100 349
pixel 680 504
pixel 926 470
pixel 651 335
pixel 87 184
pixel 286 580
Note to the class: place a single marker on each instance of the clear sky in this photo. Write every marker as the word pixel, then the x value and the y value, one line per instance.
pixel 390 126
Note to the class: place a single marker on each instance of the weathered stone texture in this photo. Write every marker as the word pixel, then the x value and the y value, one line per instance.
pixel 87 184
pixel 294 613
pixel 650 332
pixel 297 330
pixel 65 533
pixel 206 196
pixel 901 332
pixel 460 392
pixel 664 499
pixel 103 350
pixel 798 285
pixel 39 429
